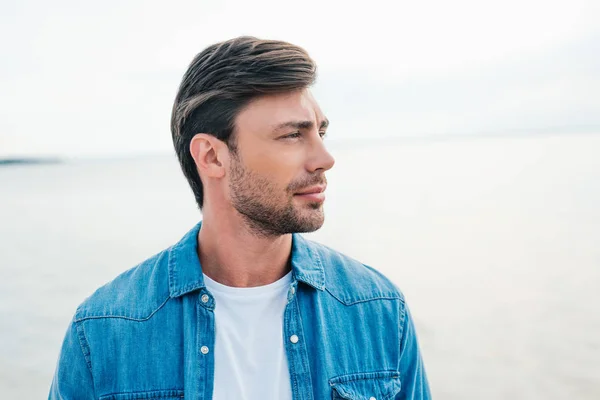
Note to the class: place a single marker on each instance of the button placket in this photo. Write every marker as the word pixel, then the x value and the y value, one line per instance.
pixel 204 345
pixel 296 349
pixel 206 300
pixel 291 292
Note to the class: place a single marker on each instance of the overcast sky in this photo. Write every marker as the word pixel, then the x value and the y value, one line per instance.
pixel 96 78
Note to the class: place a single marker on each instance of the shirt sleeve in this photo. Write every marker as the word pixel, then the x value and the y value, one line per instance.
pixel 73 375
pixel 414 384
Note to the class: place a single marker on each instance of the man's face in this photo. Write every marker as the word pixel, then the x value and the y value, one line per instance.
pixel 277 173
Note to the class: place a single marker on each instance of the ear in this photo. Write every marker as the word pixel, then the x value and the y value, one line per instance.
pixel 209 155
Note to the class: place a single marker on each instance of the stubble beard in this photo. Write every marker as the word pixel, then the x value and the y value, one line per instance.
pixel 260 203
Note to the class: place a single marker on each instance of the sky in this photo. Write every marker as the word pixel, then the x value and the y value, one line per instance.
pixel 82 79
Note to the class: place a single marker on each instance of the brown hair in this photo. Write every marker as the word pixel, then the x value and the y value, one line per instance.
pixel 223 79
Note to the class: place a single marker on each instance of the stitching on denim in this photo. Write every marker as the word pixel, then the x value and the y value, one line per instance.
pixel 187 288
pixel 125 317
pixel 85 349
pixel 293 317
pixel 305 362
pixel 315 254
pixel 343 380
pixel 364 300
pixel 401 329
pixel 364 376
pixel 176 392
pixel 174 290
pixel 198 357
pixel 171 267
pixel 308 281
pixel 83 344
pixel 317 285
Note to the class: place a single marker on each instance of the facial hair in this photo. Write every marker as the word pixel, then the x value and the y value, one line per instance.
pixel 268 209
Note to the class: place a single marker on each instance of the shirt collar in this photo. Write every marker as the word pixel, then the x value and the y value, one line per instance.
pixel 185 271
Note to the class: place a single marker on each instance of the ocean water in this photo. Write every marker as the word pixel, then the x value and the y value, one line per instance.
pixel 494 241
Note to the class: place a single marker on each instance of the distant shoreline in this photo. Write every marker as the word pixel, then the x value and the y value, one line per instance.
pixel 332 144
pixel 28 161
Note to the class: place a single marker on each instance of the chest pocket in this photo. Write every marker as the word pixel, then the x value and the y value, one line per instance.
pixel 382 385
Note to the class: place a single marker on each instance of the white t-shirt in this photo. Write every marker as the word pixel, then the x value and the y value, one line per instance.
pixel 250 359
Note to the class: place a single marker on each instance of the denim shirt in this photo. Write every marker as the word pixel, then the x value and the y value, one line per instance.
pixel 150 333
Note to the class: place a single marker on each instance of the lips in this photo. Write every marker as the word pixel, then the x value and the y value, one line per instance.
pixel 313 194
pixel 313 190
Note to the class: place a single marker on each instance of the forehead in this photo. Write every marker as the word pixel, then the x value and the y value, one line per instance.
pixel 267 112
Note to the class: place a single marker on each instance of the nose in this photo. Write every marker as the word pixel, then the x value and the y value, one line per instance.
pixel 319 158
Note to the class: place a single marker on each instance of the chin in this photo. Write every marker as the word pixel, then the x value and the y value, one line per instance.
pixel 311 224
pixel 308 229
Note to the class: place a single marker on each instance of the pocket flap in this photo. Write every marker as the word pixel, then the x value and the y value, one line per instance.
pixel 151 395
pixel 381 385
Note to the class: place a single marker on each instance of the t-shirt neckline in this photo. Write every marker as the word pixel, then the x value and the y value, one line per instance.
pixel 213 285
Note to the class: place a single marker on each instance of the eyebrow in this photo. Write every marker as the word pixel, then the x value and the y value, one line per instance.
pixel 301 124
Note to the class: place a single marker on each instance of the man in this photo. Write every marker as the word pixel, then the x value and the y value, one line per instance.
pixel 243 307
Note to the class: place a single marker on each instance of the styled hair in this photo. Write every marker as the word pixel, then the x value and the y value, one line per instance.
pixel 221 81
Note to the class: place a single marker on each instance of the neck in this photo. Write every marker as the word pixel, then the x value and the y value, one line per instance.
pixel 234 255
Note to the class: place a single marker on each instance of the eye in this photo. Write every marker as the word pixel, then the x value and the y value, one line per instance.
pixel 293 135
pixel 322 134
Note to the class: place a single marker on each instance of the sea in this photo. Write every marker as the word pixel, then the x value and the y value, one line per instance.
pixel 495 242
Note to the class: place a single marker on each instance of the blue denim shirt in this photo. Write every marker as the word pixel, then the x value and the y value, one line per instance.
pixel 149 333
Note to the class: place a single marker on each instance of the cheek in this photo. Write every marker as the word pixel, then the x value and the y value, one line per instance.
pixel 280 167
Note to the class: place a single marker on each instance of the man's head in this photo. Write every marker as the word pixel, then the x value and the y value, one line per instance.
pixel 248 135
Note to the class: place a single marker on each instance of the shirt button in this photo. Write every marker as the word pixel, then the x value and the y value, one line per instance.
pixel 372 398
pixel 293 290
pixel 204 350
pixel 294 339
pixel 204 298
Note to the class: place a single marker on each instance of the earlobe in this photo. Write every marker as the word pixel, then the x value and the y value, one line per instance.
pixel 205 152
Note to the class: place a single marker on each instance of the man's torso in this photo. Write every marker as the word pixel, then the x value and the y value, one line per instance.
pixel 151 332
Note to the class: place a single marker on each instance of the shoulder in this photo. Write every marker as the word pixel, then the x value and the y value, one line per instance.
pixel 351 281
pixel 135 294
